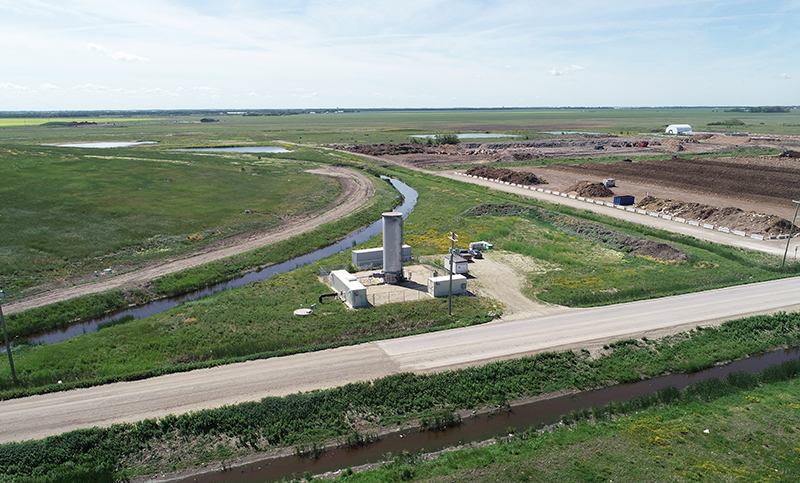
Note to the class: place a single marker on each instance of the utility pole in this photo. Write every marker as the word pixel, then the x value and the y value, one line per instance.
pixel 5 334
pixel 790 232
pixel 453 239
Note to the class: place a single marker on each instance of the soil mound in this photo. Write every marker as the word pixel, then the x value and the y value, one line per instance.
pixel 620 241
pixel 790 154
pixel 730 217
pixel 590 189
pixel 386 149
pixel 506 175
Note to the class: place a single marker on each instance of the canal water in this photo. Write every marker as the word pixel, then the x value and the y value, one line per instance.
pixel 476 429
pixel 406 207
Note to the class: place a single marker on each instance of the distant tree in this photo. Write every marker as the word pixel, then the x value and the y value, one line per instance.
pixel 446 138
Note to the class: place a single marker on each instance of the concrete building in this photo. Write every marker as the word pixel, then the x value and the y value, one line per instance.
pixel 350 290
pixel 460 265
pixel 440 286
pixel 373 257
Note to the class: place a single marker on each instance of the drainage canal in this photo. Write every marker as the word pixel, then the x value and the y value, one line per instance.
pixel 479 428
pixel 406 207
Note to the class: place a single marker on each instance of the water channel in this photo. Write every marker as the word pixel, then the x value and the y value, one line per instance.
pixel 479 428
pixel 406 207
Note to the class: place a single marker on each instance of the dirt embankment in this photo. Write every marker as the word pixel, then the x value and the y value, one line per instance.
pixel 730 217
pixel 506 175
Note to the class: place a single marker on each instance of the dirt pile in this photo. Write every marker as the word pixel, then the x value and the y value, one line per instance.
pixel 790 154
pixel 620 241
pixel 506 175
pixel 385 149
pixel 729 217
pixel 590 189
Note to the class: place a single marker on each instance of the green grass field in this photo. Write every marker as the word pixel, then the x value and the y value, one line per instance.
pixel 70 211
pixel 366 127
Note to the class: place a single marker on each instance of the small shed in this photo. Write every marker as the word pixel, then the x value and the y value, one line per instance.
pixel 353 292
pixel 624 200
pixel 373 257
pixel 460 265
pixel 678 129
pixel 440 286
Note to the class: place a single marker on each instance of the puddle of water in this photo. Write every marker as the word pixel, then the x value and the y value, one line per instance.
pixel 101 144
pixel 239 149
pixel 478 429
pixel 406 207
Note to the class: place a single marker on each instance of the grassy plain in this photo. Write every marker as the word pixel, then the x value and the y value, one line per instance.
pixel 181 343
pixel 70 211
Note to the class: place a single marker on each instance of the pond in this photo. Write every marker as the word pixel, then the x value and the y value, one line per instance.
pixel 238 149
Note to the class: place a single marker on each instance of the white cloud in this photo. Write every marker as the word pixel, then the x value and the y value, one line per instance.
pixel 785 76
pixel 12 87
pixel 128 57
pixel 558 71
pixel 48 87
pixel 90 87
pixel 119 55
pixel 206 89
pixel 97 48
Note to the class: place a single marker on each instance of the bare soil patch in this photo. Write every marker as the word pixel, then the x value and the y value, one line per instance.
pixel 762 179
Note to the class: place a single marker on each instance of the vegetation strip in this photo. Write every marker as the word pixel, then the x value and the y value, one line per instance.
pixel 125 449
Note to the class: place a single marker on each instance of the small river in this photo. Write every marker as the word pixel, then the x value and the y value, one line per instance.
pixel 480 428
pixel 406 207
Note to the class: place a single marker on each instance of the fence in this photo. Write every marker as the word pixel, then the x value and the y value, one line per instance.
pixel 384 298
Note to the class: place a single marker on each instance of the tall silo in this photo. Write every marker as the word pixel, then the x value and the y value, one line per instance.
pixel 392 247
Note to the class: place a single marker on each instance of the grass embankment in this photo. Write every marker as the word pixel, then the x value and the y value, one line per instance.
pixel 353 413
pixel 741 429
pixel 70 211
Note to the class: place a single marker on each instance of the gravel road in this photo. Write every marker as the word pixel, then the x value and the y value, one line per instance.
pixel 39 416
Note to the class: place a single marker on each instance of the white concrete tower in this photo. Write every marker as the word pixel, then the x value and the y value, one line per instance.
pixel 393 247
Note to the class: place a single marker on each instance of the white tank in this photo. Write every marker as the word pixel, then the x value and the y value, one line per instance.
pixel 393 246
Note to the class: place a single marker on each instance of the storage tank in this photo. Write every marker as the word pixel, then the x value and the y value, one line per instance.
pixel 392 247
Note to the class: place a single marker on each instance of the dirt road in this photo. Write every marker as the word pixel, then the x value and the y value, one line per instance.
pixel 358 188
pixel 501 275
pixel 50 414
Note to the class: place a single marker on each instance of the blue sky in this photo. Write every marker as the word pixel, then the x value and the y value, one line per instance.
pixel 165 54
